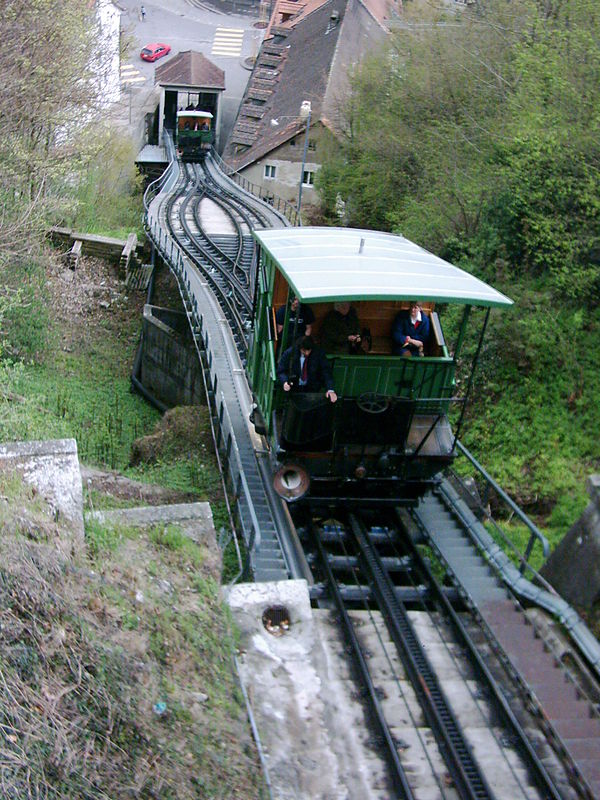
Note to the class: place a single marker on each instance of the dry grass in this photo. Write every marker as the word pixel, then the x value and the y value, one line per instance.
pixel 89 648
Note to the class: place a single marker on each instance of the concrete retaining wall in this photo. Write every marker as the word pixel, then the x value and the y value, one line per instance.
pixel 53 468
pixel 169 368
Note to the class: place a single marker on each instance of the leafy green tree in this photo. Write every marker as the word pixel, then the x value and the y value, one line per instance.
pixel 476 133
pixel 422 118
pixel 548 169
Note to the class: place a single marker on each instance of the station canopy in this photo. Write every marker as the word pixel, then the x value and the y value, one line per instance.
pixel 325 264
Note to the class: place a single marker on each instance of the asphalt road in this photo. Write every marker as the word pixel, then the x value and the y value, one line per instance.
pixel 226 38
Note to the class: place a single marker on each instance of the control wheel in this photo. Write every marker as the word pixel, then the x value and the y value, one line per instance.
pixel 372 403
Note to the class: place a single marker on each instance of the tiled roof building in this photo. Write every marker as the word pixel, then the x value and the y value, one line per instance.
pixel 308 51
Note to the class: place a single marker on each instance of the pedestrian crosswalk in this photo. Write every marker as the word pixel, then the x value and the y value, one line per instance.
pixel 228 42
pixel 131 75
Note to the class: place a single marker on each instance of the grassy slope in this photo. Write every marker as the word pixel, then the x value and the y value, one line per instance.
pixel 535 421
pixel 173 646
pixel 117 677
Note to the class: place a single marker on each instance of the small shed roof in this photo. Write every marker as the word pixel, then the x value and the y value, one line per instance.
pixel 190 68
pixel 324 264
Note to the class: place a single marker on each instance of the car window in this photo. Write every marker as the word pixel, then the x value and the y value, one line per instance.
pixel 146 51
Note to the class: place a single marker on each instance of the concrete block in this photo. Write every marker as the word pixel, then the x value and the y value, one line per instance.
pixel 53 468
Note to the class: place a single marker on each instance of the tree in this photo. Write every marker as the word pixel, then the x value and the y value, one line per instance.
pixel 476 133
pixel 48 94
pixel 426 111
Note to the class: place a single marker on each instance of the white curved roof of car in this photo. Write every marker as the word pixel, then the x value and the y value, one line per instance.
pixel 194 113
pixel 324 264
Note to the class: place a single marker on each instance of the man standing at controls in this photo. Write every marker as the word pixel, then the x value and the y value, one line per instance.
pixel 304 368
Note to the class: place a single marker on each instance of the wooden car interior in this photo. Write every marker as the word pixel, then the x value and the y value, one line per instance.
pixel 378 317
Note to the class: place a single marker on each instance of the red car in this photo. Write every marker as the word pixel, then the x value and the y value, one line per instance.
pixel 153 51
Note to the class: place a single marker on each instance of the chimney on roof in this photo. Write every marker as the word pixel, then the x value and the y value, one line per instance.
pixel 334 19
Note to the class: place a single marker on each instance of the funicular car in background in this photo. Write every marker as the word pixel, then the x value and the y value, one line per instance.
pixel 396 420
pixel 194 134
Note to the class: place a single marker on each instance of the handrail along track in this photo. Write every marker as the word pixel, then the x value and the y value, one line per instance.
pixel 212 314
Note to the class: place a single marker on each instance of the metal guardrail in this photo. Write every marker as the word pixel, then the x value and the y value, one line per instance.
pixel 289 211
pixel 233 464
pixel 535 533
pixel 234 482
pixel 169 175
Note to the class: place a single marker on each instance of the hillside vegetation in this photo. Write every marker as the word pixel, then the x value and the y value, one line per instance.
pixel 118 677
pixel 116 663
pixel 476 134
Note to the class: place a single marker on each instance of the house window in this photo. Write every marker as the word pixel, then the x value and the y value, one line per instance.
pixel 292 143
pixel 308 177
pixel 312 145
pixel 270 170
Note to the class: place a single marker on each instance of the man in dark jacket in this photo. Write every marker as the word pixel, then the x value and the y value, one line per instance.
pixel 300 320
pixel 340 330
pixel 304 368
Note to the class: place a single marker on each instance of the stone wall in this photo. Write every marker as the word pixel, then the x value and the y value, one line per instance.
pixel 170 368
pixel 573 569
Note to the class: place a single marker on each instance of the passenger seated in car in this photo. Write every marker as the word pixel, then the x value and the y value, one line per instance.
pixel 300 320
pixel 410 331
pixel 340 330
pixel 305 368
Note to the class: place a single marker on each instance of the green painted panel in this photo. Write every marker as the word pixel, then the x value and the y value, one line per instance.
pixel 420 379
pixel 261 361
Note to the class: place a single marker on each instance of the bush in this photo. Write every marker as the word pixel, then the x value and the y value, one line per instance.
pixel 23 311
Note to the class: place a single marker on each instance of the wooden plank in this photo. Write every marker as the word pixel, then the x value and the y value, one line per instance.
pixel 75 254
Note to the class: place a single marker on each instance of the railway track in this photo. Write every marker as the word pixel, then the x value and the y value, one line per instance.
pixel 185 215
pixel 431 696
pixel 459 687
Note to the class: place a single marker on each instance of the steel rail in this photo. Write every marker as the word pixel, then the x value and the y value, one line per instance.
pixel 230 308
pixel 537 771
pixel 223 262
pixel 236 259
pixel 465 772
pixel 236 197
pixel 235 212
pixel 398 773
pixel 205 188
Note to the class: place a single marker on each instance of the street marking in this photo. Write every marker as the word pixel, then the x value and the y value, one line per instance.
pixel 129 74
pixel 228 42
